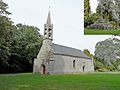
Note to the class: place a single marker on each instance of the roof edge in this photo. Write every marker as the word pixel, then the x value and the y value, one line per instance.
pixel 72 55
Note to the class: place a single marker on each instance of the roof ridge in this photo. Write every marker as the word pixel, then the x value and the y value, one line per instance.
pixel 67 46
pixel 69 50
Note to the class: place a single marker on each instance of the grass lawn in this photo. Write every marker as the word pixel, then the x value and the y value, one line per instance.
pixel 60 82
pixel 100 32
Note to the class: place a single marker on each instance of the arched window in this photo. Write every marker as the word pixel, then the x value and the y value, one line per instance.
pixel 83 68
pixel 73 63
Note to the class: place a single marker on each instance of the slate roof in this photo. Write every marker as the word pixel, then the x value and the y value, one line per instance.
pixel 64 50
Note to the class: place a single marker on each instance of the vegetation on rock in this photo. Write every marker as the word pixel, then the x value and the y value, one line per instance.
pixel 109 10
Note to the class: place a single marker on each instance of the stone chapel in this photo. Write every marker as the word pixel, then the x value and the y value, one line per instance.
pixel 58 59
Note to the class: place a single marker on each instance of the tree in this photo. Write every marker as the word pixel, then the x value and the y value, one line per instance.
pixel 87 52
pixel 117 8
pixel 3 8
pixel 19 44
pixel 86 8
pixel 25 47
pixel 91 19
pixel 108 52
pixel 107 9
pixel 6 30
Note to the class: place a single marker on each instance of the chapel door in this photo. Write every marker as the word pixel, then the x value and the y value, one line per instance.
pixel 44 69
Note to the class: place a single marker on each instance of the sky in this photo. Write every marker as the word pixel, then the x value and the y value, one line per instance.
pixel 67 18
pixel 93 4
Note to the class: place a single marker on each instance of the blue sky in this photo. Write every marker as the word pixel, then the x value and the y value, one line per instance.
pixel 67 18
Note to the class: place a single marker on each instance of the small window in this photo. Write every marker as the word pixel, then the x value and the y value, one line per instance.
pixel 49 34
pixel 49 29
pixel 73 63
pixel 45 33
pixel 83 68
pixel 45 29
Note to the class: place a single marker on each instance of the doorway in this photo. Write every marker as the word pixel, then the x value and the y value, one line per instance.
pixel 43 69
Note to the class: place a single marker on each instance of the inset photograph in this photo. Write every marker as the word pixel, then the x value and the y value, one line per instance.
pixel 101 17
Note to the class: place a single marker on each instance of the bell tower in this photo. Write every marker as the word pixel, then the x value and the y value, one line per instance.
pixel 48 28
pixel 44 63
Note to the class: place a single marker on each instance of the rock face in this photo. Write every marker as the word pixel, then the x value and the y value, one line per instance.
pixel 108 51
pixel 101 24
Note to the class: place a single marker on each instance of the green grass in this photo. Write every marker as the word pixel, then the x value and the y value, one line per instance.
pixel 60 82
pixel 101 32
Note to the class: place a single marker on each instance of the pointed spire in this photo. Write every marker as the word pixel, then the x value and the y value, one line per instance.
pixel 48 28
pixel 48 19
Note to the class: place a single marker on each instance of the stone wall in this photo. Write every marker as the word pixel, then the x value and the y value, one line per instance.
pixel 44 56
pixel 64 64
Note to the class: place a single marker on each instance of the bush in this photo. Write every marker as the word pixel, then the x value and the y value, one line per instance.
pixel 102 70
pixel 91 19
pixel 113 23
pixel 116 64
pixel 110 68
pixel 98 64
